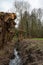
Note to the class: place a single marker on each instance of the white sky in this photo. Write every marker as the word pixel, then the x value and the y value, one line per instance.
pixel 36 3
pixel 5 5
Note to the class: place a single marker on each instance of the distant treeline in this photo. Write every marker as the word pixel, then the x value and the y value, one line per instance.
pixel 30 23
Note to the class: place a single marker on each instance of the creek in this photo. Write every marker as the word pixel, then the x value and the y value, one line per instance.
pixel 16 60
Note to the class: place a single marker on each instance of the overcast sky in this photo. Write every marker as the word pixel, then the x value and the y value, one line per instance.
pixel 36 3
pixel 6 5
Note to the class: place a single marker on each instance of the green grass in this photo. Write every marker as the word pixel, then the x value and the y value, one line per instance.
pixel 15 38
pixel 37 38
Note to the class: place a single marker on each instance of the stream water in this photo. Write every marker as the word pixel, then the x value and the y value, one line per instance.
pixel 16 60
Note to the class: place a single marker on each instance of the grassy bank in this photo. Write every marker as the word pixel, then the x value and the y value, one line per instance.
pixel 37 38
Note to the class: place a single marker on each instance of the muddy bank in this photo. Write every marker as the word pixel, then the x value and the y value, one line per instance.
pixel 6 53
pixel 30 51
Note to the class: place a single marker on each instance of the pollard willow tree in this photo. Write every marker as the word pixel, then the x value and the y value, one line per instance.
pixel 6 27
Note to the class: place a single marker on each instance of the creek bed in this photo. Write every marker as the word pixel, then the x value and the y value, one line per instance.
pixel 15 60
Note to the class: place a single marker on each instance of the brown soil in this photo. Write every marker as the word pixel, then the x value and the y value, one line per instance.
pixel 30 51
pixel 6 53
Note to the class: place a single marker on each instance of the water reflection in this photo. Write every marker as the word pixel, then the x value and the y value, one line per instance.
pixel 16 60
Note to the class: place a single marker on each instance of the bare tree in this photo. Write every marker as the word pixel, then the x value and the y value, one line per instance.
pixel 21 7
pixel 40 13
